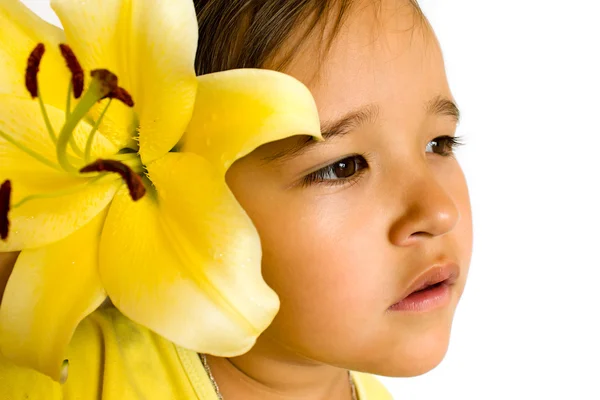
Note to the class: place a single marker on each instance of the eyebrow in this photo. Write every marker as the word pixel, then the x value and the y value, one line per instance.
pixel 443 106
pixel 367 114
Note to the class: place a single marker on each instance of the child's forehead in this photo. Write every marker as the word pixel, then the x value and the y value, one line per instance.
pixel 383 54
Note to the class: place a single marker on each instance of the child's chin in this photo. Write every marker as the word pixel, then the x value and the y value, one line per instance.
pixel 415 358
pixel 419 367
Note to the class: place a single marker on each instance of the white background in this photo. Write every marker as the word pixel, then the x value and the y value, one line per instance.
pixel 526 75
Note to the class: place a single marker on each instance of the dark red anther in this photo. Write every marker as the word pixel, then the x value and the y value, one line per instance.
pixel 133 180
pixel 33 67
pixel 5 190
pixel 123 95
pixel 77 76
pixel 110 86
pixel 108 81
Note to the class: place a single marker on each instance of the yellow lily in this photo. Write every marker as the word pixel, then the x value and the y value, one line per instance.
pixel 164 238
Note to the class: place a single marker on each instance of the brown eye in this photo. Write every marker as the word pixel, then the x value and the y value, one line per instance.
pixel 339 172
pixel 345 168
pixel 443 145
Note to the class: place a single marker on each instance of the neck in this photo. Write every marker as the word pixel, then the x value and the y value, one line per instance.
pixel 261 374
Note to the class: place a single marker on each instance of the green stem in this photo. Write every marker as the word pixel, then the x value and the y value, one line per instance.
pixel 75 148
pixel 30 152
pixel 46 119
pixel 90 97
pixel 68 109
pixel 72 142
pixel 90 139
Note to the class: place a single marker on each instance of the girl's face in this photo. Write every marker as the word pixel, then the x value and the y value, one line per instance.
pixel 342 241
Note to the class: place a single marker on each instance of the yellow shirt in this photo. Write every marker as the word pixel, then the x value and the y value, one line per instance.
pixel 112 358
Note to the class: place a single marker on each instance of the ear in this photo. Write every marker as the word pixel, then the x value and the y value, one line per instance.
pixel 7 262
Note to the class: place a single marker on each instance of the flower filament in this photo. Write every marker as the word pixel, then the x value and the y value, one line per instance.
pixel 104 84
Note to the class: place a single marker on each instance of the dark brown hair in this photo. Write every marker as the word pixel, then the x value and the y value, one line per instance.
pixel 249 33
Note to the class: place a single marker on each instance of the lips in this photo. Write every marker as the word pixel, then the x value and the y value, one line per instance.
pixel 445 273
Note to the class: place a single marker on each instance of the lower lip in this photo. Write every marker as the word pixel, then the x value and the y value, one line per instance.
pixel 426 300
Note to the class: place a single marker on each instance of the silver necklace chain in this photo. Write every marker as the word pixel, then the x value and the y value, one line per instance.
pixel 220 396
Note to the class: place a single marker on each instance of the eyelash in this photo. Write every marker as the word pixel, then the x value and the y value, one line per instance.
pixel 452 142
pixel 449 144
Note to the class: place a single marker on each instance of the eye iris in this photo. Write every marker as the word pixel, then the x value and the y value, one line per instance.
pixel 345 168
pixel 437 146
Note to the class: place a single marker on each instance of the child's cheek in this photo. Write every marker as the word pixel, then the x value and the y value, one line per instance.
pixel 330 267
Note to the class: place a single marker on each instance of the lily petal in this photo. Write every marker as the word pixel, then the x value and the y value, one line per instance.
pixel 50 290
pixel 43 221
pixel 236 111
pixel 187 263
pixel 22 121
pixel 20 31
pixel 128 37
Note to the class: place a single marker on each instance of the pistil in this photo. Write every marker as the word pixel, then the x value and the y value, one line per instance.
pixel 90 139
pixel 103 83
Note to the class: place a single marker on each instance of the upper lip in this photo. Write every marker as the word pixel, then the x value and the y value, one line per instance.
pixel 446 272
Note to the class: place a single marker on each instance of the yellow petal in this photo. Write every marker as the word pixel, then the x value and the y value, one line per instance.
pixel 150 45
pixel 238 110
pixel 20 31
pixel 187 263
pixel 44 221
pixel 22 121
pixel 49 292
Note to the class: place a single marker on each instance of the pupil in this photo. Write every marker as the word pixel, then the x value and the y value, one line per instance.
pixel 345 169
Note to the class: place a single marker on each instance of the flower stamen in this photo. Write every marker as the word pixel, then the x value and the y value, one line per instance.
pixel 77 76
pixel 103 83
pixel 33 67
pixel 75 148
pixel 72 142
pixel 106 81
pixel 90 139
pixel 31 83
pixel 68 107
pixel 75 86
pixel 5 190
pixel 134 181
pixel 29 152
pixel 121 94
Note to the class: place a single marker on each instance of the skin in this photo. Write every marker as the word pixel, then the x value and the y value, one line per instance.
pixel 340 255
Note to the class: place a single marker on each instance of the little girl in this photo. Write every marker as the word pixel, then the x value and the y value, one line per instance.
pixel 365 227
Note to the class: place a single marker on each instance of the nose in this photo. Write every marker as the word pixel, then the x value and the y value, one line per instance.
pixel 424 208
